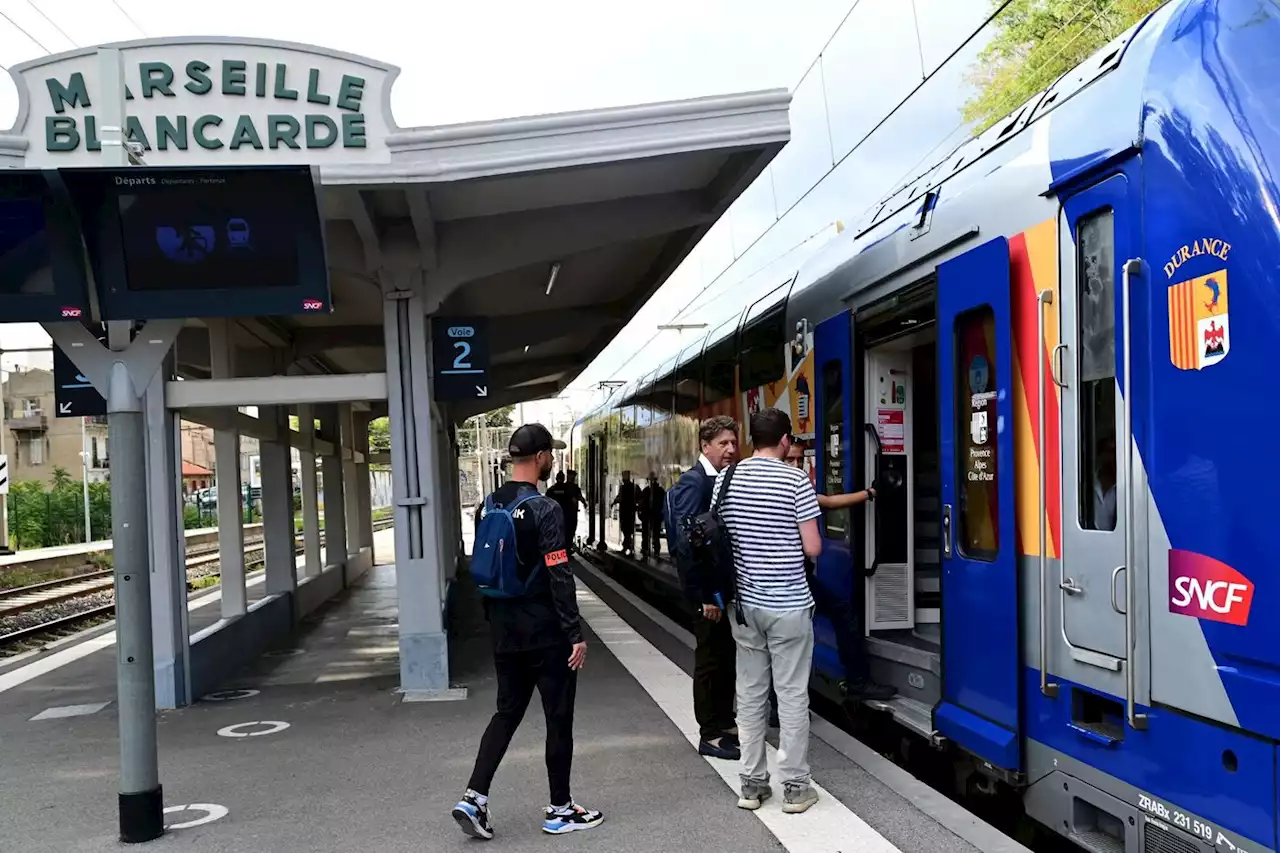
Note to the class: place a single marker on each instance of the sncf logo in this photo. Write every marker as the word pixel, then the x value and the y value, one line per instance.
pixel 1206 588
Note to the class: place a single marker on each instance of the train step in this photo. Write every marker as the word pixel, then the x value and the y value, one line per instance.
pixel 908 712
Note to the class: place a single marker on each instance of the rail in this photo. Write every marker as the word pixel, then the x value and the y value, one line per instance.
pixel 80 586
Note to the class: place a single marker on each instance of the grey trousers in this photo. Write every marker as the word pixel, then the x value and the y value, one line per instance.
pixel 777 644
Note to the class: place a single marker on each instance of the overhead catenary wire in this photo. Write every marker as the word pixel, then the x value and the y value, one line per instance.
pixel 52 23
pixel 779 216
pixel 20 29
pixel 129 18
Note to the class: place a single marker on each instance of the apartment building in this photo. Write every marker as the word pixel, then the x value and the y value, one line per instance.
pixel 37 442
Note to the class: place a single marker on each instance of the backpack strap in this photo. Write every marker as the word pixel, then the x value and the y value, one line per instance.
pixel 724 490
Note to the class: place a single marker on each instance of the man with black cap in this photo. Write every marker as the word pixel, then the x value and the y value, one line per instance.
pixel 537 642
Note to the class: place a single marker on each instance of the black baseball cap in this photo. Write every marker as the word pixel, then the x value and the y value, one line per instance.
pixel 532 438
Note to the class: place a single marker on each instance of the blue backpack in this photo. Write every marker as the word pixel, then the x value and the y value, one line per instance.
pixel 495 563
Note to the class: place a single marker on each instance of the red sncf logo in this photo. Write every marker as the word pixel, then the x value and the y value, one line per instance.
pixel 312 305
pixel 1206 588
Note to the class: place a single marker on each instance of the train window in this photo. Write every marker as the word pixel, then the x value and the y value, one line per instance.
pixel 833 437
pixel 718 365
pixel 763 350
pixel 688 387
pixel 1096 349
pixel 978 466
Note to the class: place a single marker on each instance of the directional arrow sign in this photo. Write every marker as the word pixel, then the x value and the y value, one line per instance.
pixel 75 396
pixel 460 358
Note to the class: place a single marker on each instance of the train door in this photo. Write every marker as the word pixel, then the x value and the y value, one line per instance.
pixel 890 539
pixel 981 652
pixel 1096 237
pixel 833 441
pixel 593 484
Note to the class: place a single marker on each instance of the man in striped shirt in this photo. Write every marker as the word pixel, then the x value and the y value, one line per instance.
pixel 771 514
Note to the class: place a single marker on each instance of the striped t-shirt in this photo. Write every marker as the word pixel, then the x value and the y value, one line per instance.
pixel 766 503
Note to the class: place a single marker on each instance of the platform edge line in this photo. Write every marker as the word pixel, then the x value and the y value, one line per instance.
pixel 954 818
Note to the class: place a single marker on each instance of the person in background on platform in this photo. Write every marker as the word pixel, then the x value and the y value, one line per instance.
pixel 713 659
pixel 576 497
pixel 568 495
pixel 652 505
pixel 537 645
pixel 844 615
pixel 626 501
pixel 771 514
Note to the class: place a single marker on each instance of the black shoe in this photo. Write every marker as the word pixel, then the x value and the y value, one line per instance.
pixel 473 818
pixel 856 691
pixel 727 751
pixel 728 739
pixel 573 817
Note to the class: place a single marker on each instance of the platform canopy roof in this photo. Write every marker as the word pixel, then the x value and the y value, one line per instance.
pixel 612 199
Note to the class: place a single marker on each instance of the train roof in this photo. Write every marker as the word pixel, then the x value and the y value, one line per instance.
pixel 1078 144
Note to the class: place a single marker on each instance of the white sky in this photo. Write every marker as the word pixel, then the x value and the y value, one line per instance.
pixel 464 62
pixel 470 61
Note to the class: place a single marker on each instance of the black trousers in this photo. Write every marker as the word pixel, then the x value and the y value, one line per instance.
pixel 846 621
pixel 714 676
pixel 570 529
pixel 519 674
pixel 651 536
pixel 628 524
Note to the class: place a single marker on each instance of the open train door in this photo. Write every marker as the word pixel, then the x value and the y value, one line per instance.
pixel 833 441
pixel 981 654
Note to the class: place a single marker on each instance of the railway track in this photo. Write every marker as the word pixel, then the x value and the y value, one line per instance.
pixel 65 590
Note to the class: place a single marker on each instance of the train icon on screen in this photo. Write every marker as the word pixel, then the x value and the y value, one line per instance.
pixel 237 233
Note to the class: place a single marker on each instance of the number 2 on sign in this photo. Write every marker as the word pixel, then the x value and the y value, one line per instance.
pixel 462 361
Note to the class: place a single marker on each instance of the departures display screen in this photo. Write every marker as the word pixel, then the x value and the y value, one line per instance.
pixel 24 238
pixel 240 241
pixel 217 231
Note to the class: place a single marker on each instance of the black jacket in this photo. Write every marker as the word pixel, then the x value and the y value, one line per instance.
pixel 690 496
pixel 547 614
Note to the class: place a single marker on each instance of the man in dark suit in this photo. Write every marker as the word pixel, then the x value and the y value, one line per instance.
pixel 653 500
pixel 715 654
pixel 627 499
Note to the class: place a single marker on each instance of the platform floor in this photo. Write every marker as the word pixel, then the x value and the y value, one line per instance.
pixel 335 761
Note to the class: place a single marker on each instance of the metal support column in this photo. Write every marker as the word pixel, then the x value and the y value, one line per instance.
pixel 335 518
pixel 310 494
pixel 226 463
pixel 364 486
pixel 170 627
pixel 424 651
pixel 350 489
pixel 277 506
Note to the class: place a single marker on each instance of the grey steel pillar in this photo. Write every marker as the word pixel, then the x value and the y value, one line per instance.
pixel 141 799
pixel 364 488
pixel 335 518
pixel 277 506
pixel 350 489
pixel 310 493
pixel 226 458
pixel 424 650
pixel 169 615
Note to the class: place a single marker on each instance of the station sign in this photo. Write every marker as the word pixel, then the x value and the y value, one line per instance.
pixel 460 357
pixel 73 395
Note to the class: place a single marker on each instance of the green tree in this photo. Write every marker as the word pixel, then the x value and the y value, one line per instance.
pixel 502 417
pixel 1036 42
pixel 380 435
